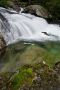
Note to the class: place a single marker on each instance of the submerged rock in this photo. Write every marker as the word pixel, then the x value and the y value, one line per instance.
pixel 37 10
pixel 2 45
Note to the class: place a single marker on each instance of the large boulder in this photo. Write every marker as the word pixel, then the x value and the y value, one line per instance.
pixel 2 45
pixel 14 4
pixel 37 10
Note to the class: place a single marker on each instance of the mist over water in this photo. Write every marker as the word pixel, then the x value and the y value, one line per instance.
pixel 15 27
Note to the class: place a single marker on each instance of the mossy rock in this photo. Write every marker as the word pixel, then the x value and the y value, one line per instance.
pixel 31 77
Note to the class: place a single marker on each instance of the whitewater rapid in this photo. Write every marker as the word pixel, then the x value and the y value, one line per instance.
pixel 25 27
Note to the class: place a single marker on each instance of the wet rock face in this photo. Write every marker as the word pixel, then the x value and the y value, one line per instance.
pixel 2 45
pixel 37 10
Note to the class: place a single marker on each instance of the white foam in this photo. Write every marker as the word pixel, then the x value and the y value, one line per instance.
pixel 27 27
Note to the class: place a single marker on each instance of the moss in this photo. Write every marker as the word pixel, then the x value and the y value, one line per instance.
pixel 25 76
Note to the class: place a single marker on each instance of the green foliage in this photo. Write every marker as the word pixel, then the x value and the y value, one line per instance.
pixel 3 3
pixel 54 7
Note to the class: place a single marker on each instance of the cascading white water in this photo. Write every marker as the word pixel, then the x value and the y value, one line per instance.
pixel 16 27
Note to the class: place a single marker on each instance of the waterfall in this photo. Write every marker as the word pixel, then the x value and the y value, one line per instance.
pixel 19 26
